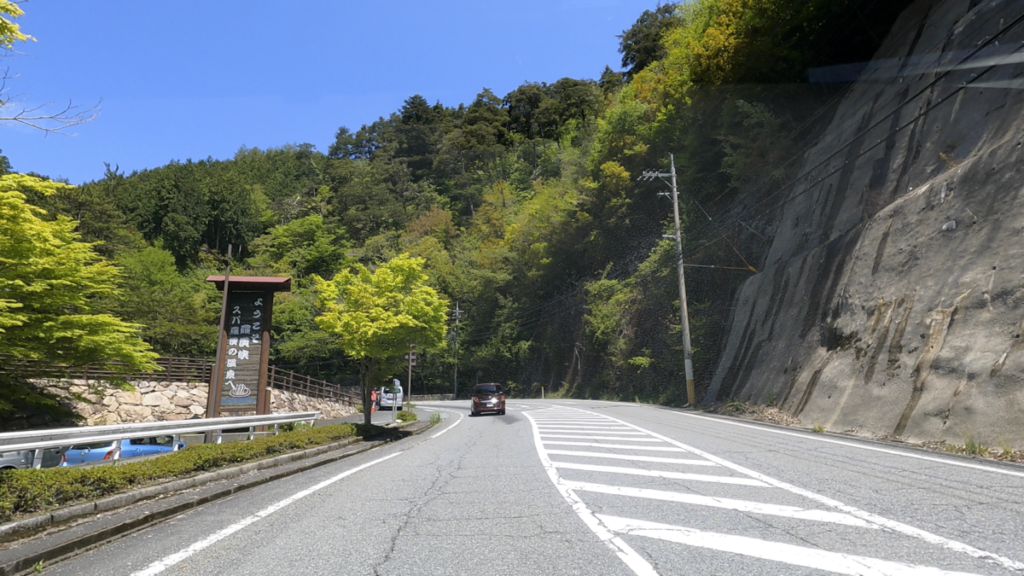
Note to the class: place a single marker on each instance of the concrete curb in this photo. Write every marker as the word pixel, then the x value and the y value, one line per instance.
pixel 60 551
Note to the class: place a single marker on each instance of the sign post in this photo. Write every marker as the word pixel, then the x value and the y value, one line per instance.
pixel 240 379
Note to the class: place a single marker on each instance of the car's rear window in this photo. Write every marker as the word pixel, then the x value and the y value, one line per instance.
pixel 92 446
pixel 488 389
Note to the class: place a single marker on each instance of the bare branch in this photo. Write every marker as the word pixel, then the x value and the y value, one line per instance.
pixel 48 122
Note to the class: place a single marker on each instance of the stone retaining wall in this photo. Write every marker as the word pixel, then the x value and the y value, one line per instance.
pixel 161 401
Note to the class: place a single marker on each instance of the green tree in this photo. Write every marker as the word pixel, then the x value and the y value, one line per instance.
pixel 642 43
pixel 377 315
pixel 50 282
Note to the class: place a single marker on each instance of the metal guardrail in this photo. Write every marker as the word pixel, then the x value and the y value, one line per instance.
pixel 39 440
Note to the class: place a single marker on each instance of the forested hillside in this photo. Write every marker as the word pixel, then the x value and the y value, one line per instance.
pixel 525 206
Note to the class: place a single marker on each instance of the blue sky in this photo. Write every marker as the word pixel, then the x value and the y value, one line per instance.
pixel 189 79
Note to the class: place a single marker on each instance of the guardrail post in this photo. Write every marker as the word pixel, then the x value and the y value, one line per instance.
pixel 174 442
pixel 252 432
pixel 275 429
pixel 220 436
pixel 37 458
pixel 117 450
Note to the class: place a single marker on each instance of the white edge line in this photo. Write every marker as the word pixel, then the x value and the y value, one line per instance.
pixel 457 422
pixel 885 523
pixel 165 563
pixel 624 551
pixel 817 438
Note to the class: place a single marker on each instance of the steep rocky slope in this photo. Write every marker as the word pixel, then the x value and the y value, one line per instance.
pixel 892 299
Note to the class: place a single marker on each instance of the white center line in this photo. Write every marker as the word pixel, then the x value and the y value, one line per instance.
pixel 165 563
pixel 661 474
pixel 777 551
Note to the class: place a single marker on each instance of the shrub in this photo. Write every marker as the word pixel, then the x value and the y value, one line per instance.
pixel 435 419
pixel 407 416
pixel 25 492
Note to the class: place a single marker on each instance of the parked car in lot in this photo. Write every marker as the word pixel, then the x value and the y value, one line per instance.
pixel 391 396
pixel 23 459
pixel 488 398
pixel 129 449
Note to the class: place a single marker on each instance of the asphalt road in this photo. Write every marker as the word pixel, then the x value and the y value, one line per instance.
pixel 587 487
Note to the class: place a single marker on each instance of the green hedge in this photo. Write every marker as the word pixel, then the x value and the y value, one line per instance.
pixel 24 492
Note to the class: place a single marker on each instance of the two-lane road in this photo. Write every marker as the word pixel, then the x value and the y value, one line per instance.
pixel 582 487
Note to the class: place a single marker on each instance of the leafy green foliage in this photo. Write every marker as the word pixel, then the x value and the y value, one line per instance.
pixel 377 315
pixel 49 283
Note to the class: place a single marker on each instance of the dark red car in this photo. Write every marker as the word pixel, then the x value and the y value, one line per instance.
pixel 488 398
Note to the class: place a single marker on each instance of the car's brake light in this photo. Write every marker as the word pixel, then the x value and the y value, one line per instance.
pixel 109 455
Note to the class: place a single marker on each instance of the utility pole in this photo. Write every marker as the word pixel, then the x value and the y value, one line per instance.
pixel 411 357
pixel 458 316
pixel 691 394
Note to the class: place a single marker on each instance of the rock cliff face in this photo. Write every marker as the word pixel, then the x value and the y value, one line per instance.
pixel 892 299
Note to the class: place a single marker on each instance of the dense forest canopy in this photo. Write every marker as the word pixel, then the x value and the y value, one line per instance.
pixel 524 208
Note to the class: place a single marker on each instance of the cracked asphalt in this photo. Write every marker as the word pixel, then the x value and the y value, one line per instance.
pixel 477 499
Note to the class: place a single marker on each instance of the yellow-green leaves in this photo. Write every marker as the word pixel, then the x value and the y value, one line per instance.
pixel 377 315
pixel 49 281
pixel 9 31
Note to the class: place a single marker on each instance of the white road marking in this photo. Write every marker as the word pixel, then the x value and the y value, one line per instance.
pixel 727 503
pixel 588 429
pixel 662 460
pixel 594 426
pixel 776 551
pixel 592 437
pixel 165 563
pixel 624 551
pixel 819 438
pixel 457 422
pixel 853 511
pixel 615 446
pixel 661 474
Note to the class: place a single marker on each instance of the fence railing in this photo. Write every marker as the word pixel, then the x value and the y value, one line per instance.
pixel 173 369
pixel 39 440
pixel 312 387
pixel 176 369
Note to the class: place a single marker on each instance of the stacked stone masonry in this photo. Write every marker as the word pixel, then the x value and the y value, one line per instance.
pixel 161 401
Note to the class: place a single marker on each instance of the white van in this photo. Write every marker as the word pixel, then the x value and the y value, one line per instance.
pixel 391 396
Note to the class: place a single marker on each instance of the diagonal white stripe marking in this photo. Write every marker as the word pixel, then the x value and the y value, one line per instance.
pixel 777 551
pixel 661 474
pixel 161 565
pixel 613 446
pixel 893 525
pixel 660 459
pixel 727 503
pixel 587 426
pixel 624 551
pixel 820 438
pixel 592 437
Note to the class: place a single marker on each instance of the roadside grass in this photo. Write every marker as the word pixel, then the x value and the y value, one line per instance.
pixel 406 416
pixel 435 419
pixel 818 429
pixel 26 492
